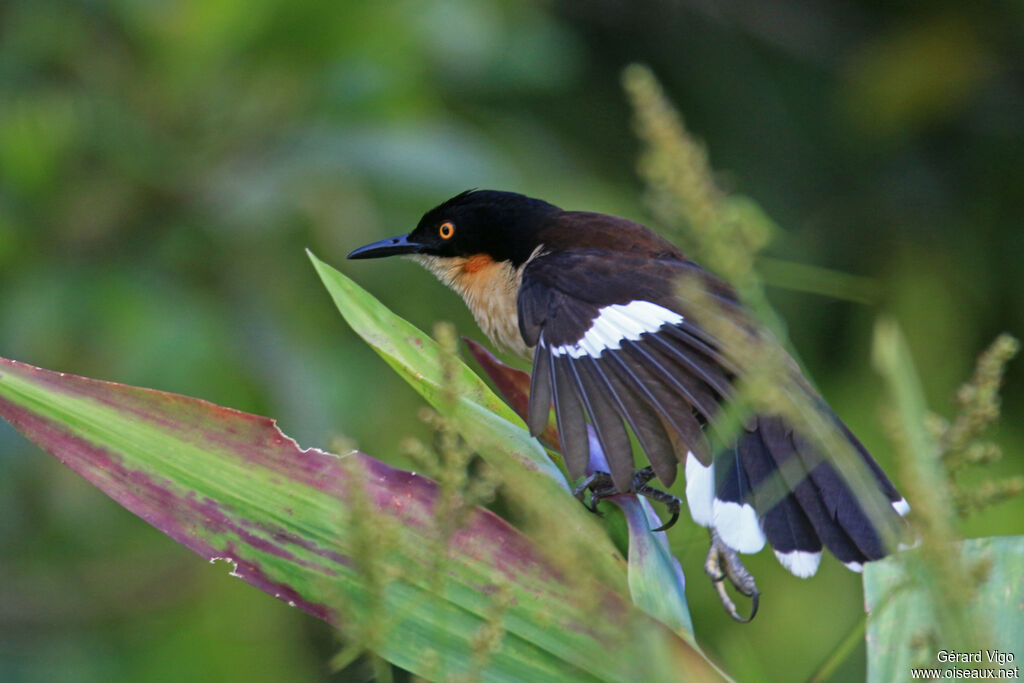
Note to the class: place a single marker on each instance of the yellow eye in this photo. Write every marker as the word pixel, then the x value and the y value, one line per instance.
pixel 446 230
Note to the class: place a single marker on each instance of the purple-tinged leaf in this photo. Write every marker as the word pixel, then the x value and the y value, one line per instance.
pixel 347 539
pixel 656 580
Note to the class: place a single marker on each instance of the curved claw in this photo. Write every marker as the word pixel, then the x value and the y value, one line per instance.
pixel 670 523
pixel 723 563
pixel 730 606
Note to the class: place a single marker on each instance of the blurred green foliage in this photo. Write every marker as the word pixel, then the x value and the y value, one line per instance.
pixel 163 164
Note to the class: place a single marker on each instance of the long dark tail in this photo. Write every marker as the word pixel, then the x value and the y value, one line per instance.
pixel 773 486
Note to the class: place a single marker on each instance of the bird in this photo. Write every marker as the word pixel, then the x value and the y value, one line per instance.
pixel 594 301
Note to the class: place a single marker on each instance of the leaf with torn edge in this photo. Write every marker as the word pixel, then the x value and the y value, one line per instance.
pixel 488 425
pixel 298 524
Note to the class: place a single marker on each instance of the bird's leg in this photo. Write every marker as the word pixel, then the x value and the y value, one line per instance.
pixel 724 563
pixel 601 487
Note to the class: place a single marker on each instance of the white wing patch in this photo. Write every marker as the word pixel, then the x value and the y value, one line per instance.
pixel 617 322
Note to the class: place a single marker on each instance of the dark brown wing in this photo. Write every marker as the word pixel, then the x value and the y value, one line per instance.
pixel 589 314
pixel 616 347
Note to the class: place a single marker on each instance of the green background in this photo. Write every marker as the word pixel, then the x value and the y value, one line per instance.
pixel 164 164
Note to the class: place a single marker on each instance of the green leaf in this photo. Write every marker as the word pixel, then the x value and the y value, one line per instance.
pixel 347 539
pixel 656 581
pixel 488 425
pixel 929 491
pixel 944 594
pixel 417 358
pixel 902 610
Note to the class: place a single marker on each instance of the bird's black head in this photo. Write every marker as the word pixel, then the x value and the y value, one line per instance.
pixel 501 225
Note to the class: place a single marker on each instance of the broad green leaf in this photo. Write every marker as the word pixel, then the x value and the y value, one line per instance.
pixel 488 425
pixel 347 539
pixel 902 610
pixel 416 357
pixel 656 581
pixel 945 594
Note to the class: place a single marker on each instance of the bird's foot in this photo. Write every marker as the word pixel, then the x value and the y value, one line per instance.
pixel 601 486
pixel 724 563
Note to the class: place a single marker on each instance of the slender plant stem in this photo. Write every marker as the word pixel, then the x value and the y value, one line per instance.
pixel 841 653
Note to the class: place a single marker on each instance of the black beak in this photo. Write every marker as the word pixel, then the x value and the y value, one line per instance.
pixel 389 247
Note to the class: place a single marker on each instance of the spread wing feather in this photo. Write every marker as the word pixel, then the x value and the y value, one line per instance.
pixel 572 428
pixel 616 347
pixel 649 430
pixel 697 397
pixel 541 391
pixel 607 423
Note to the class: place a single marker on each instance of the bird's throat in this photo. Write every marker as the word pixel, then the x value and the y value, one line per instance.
pixel 490 289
